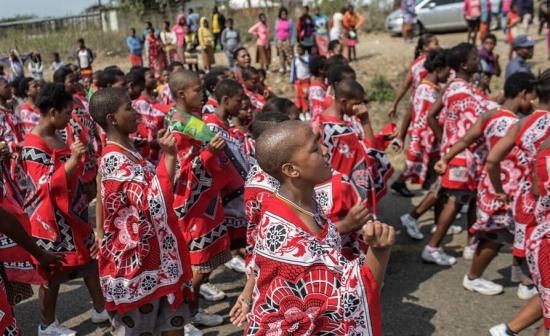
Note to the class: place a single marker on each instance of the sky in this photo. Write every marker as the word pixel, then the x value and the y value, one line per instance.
pixel 44 8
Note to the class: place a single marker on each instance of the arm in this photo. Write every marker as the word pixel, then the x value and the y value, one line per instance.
pixel 360 21
pixel 402 90
pixel 241 308
pixel 363 115
pixel 10 226
pixel 253 30
pixel 498 70
pixel 99 228
pixel 275 30
pixel 292 33
pixel 167 142
pixel 380 238
pixel 200 34
pixel 77 151
pixel 25 57
pixel 502 148
pixel 432 118
pixel 223 38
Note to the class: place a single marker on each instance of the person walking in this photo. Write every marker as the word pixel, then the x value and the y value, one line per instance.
pixel 263 51
pixel 285 37
pixel 231 41
pixel 180 34
pixel 218 26
pixel 408 9
pixel 84 58
pixel 135 44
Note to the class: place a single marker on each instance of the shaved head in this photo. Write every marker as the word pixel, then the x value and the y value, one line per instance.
pixel 349 89
pixel 277 145
pixel 180 80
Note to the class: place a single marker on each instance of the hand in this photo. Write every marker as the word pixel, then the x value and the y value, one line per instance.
pixel 77 149
pixel 167 142
pixel 497 56
pixel 238 312
pixel 268 95
pixel 397 145
pixel 378 236
pixel 392 135
pixel 504 198
pixel 440 167
pixel 15 156
pixel 216 145
pixel 361 112
pixel 94 249
pixel 357 216
pixel 392 112
pixel 46 259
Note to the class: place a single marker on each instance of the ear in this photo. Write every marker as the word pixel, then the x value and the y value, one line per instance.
pixel 288 169
pixel 225 100
pixel 51 112
pixel 111 120
pixel 181 94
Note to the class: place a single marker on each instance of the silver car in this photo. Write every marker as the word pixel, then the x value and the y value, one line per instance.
pixel 434 16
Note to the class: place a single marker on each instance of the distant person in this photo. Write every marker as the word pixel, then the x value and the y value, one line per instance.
pixel 472 14
pixel 485 21
pixel 512 24
pixel 16 62
pixel 192 20
pixel 285 37
pixel 180 34
pixel 57 62
pixel 321 26
pixel 526 12
pixel 504 10
pixel 543 15
pixel 191 52
pixel 408 10
pixel 231 41
pixel 207 44
pixel 135 44
pixel 488 56
pixel 334 48
pixel 352 22
pixel 157 56
pixel 84 58
pixel 305 30
pixel 218 25
pixel 263 50
pixel 36 67
pixel 524 47
pixel 169 41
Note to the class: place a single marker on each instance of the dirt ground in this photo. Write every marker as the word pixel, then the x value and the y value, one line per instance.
pixel 417 299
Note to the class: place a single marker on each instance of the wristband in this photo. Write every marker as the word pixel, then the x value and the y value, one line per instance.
pixel 248 303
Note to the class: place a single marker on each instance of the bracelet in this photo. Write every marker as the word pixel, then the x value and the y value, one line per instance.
pixel 248 303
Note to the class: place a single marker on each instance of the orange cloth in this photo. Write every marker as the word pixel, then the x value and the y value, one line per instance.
pixel 353 20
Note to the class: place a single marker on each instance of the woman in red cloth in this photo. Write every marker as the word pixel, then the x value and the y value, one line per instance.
pixel 494 226
pixel 304 284
pixel 57 205
pixel 157 56
pixel 30 114
pixel 143 260
pixel 81 127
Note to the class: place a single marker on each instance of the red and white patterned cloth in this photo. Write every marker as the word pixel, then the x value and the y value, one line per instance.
pixel 316 95
pixel 492 215
pixel 423 146
pixel 538 243
pixel 143 255
pixel 363 161
pixel 535 130
pixel 57 207
pixel 166 95
pixel 234 161
pixel 304 285
pixel 11 131
pixel 417 71
pixel 152 115
pixel 8 324
pixel 461 108
pixel 30 116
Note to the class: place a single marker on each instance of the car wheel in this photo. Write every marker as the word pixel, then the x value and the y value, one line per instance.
pixel 419 29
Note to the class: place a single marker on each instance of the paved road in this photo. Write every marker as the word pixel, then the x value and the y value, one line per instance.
pixel 418 298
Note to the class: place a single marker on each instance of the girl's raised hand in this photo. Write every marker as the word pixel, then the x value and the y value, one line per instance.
pixel 217 144
pixel 167 142
pixel 378 235
pixel 77 149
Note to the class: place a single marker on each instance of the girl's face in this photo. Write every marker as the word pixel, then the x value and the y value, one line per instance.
pixel 311 160
pixel 489 44
pixel 70 83
pixel 472 63
pixel 165 26
pixel 165 76
pixel 243 59
pixel 151 81
pixel 34 89
pixel 350 105
pixel 443 74
pixel 186 29
pixel 432 45
pixel 126 118
pixel 251 84
pixel 205 24
pixel 193 94
pixel 234 104
pixel 246 112
pixel 525 106
pixel 293 112
pixel 263 19
pixel 5 90
pixel 283 15
pixel 87 83
pixel 62 118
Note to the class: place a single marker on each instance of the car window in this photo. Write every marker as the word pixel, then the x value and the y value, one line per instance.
pixel 444 2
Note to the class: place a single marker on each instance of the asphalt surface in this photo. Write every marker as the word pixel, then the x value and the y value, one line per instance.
pixel 417 299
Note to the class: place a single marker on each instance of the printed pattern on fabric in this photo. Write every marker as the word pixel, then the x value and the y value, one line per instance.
pixel 57 208
pixel 143 255
pixel 461 108
pixel 418 72
pixel 492 215
pixel 368 168
pixel 198 203
pixel 152 120
pixel 8 324
pixel 423 146
pixel 30 116
pixel 305 285
pixel 234 161
pixel 528 141
pixel 537 249
pixel 11 131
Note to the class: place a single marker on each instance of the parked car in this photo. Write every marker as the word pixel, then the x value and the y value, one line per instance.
pixel 434 16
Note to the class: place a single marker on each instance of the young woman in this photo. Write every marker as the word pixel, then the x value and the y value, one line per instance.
pixel 157 56
pixel 242 61
pixel 206 41
pixel 263 50
pixel 285 37
pixel 170 41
